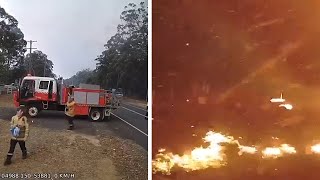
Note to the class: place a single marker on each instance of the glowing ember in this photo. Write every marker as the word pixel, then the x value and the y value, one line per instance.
pixel 315 148
pixel 275 152
pixel 216 138
pixel 247 149
pixel 277 100
pixel 287 106
pixel 161 150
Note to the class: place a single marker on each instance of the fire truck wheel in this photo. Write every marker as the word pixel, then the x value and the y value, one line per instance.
pixel 95 114
pixel 33 111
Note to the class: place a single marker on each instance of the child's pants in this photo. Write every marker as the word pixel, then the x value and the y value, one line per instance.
pixel 13 144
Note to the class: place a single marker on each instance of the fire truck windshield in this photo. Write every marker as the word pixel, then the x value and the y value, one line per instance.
pixel 27 89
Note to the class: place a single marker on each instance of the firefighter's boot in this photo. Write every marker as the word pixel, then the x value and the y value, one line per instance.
pixel 8 160
pixel 24 155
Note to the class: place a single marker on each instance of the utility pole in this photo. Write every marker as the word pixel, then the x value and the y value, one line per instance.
pixel 44 68
pixel 30 51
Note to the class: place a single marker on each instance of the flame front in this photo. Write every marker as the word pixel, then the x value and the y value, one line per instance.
pixel 213 156
pixel 199 158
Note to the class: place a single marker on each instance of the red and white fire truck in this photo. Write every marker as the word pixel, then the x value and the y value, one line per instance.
pixel 45 93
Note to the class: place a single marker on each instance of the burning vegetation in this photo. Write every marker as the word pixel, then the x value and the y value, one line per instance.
pixel 214 155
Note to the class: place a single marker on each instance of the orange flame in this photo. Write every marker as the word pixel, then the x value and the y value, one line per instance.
pixel 275 152
pixel 247 149
pixel 213 156
pixel 199 158
pixel 315 148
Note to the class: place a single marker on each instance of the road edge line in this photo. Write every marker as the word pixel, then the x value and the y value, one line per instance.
pixel 134 111
pixel 130 124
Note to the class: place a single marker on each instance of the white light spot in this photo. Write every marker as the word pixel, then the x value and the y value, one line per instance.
pixel 287 106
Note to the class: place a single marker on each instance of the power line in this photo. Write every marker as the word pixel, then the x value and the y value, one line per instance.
pixel 30 51
pixel 30 48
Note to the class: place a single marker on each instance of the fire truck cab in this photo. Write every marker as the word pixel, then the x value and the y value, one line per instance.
pixel 45 93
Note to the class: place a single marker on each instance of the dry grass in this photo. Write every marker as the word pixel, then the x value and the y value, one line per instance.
pixel 6 100
pixel 88 157
pixel 139 103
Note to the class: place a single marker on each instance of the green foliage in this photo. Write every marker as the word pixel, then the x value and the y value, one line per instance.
pixel 40 64
pixel 83 76
pixel 11 47
pixel 124 62
pixel 13 64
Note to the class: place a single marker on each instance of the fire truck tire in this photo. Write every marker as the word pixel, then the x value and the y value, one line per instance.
pixel 33 111
pixel 95 114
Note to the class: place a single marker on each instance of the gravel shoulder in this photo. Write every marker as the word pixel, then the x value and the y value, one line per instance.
pixel 88 157
pixel 135 102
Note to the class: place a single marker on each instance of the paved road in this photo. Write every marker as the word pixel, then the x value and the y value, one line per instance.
pixel 126 122
pixel 134 117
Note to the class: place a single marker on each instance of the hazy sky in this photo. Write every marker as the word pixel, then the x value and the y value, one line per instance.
pixel 71 32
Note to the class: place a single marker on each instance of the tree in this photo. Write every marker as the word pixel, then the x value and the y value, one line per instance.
pixel 83 76
pixel 12 45
pixel 41 65
pixel 124 63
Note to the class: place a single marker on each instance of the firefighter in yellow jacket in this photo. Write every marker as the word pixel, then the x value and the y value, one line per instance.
pixel 70 112
pixel 19 134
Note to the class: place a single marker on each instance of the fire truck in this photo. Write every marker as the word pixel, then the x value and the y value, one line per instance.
pixel 45 93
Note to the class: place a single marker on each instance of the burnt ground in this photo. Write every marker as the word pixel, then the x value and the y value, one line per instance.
pixel 92 151
pixel 246 111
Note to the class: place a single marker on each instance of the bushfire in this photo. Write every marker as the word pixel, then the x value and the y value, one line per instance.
pixel 214 154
